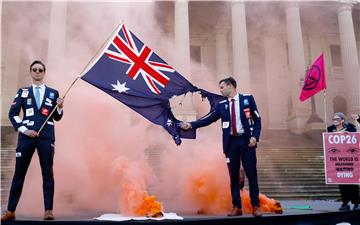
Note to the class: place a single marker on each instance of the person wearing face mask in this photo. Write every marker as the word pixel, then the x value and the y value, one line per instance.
pixel 349 192
pixel 37 102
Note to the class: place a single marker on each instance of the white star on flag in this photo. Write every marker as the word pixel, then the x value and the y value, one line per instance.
pixel 120 87
pixel 169 122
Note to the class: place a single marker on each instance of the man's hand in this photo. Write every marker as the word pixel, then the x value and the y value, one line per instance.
pixel 31 133
pixel 185 125
pixel 60 102
pixel 252 142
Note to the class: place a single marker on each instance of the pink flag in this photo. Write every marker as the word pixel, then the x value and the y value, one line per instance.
pixel 314 79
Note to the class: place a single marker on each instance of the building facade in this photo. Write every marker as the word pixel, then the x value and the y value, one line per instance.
pixel 266 46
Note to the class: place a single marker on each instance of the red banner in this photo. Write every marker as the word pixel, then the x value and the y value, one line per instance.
pixel 342 158
pixel 314 79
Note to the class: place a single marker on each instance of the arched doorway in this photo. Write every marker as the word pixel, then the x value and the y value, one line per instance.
pixel 339 104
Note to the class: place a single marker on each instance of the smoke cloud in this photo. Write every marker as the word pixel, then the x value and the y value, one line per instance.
pixel 101 144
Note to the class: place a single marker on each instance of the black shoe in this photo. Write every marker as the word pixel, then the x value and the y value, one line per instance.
pixel 356 207
pixel 344 207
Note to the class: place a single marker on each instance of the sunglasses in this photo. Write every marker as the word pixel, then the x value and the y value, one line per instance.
pixel 336 119
pixel 37 70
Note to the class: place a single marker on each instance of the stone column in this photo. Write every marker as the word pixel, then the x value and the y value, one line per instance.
pixel 241 69
pixel 301 110
pixel 222 60
pixel 10 71
pixel 182 49
pixel 275 80
pixel 182 39
pixel 57 41
pixel 349 57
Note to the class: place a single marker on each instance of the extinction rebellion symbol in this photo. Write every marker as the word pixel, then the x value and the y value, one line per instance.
pixel 312 80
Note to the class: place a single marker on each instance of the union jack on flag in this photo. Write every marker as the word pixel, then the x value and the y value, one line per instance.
pixel 132 73
pixel 139 56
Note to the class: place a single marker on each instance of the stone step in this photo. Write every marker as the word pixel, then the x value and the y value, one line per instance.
pixel 304 188
pixel 289 173
pixel 283 173
pixel 291 158
pixel 290 178
pixel 289 196
pixel 308 167
pixel 270 170
pixel 296 182
pixel 290 154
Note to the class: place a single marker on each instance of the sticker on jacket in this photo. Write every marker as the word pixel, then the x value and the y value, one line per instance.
pixel 29 112
pixel 225 124
pixel 45 111
pixel 25 93
pixel 247 113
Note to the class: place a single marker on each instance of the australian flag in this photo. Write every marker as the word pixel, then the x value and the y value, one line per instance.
pixel 132 73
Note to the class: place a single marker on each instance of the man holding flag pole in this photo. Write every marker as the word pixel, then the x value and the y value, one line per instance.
pixel 41 105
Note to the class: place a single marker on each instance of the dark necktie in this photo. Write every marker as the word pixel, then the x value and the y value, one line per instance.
pixel 233 117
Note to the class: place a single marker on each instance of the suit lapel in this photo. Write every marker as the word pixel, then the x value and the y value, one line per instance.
pixel 241 109
pixel 227 109
pixel 46 93
pixel 32 96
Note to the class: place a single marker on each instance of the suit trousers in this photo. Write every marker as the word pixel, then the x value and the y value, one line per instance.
pixel 238 153
pixel 24 152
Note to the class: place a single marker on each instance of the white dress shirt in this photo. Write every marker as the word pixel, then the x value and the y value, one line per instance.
pixel 41 89
pixel 239 127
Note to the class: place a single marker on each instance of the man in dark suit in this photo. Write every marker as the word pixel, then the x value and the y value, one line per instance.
pixel 37 102
pixel 241 126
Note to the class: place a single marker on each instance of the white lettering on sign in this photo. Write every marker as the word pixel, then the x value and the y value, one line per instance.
pixel 344 175
pixel 342 139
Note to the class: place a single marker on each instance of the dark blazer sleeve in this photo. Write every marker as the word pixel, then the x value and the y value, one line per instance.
pixel 350 127
pixel 256 119
pixel 213 116
pixel 56 116
pixel 329 129
pixel 14 111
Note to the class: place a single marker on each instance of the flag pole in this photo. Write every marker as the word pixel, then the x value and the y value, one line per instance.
pixel 57 106
pixel 325 109
pixel 102 47
pixel 77 78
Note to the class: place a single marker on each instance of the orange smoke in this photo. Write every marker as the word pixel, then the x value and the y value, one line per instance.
pixel 266 204
pixel 210 195
pixel 206 183
pixel 207 187
pixel 133 178
pixel 149 206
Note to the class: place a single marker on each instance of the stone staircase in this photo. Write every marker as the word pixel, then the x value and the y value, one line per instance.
pixel 294 173
pixel 7 170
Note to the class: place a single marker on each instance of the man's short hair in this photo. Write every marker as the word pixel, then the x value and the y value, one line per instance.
pixel 38 62
pixel 229 80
